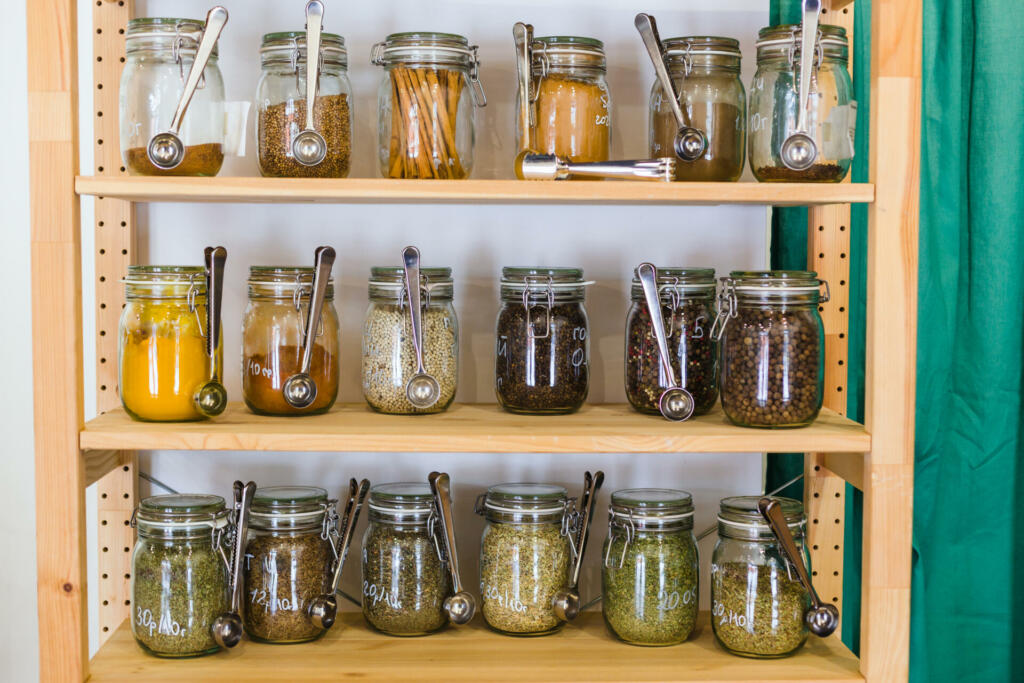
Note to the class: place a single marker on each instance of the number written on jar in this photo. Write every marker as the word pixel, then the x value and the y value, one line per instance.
pixel 728 617
pixel 379 594
pixel 260 597
pixel 166 626
pixel 503 599
pixel 670 600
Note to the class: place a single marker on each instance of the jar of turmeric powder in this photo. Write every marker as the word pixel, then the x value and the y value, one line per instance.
pixel 162 347
pixel 570 104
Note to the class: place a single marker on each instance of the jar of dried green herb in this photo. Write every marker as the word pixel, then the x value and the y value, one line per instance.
pixel 524 556
pixel 543 341
pixel 650 571
pixel 688 309
pixel 405 575
pixel 180 581
pixel 757 600
pixel 288 560
pixel 772 347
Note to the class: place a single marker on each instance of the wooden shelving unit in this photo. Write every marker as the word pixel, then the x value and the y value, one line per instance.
pixel 72 453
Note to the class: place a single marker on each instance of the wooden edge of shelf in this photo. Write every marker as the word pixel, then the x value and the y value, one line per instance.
pixel 371 190
pixel 849 469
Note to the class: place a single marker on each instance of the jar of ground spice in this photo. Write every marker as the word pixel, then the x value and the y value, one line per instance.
pixel 405 575
pixel 524 556
pixel 772 347
pixel 273 328
pixel 775 105
pixel 757 600
pixel 426 105
pixel 543 341
pixel 288 561
pixel 705 71
pixel 159 54
pixel 687 307
pixel 389 355
pixel 570 103
pixel 180 578
pixel 650 571
pixel 281 105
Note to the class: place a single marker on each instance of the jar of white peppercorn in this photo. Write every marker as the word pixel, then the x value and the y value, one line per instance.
pixel 525 556
pixel 389 356
pixel 772 347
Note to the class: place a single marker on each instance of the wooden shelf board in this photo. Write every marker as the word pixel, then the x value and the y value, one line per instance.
pixel 583 651
pixel 386 190
pixel 472 428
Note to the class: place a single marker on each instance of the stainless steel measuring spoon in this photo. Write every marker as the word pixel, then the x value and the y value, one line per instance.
pixel 799 151
pixel 460 605
pixel 530 166
pixel 211 398
pixel 423 389
pixel 300 389
pixel 324 609
pixel 227 627
pixel 675 403
pixel 523 36
pixel 309 147
pixel 566 603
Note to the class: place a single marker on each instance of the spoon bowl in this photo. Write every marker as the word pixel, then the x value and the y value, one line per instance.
pixel 566 605
pixel 422 390
pixel 798 152
pixel 165 150
pixel 822 620
pixel 299 391
pixel 324 611
pixel 676 404
pixel 227 630
pixel 691 143
pixel 211 398
pixel 460 607
pixel 309 148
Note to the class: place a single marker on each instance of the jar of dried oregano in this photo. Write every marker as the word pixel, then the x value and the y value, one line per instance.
pixel 772 347
pixel 524 556
pixel 288 561
pixel 405 575
pixel 180 581
pixel 757 600
pixel 281 105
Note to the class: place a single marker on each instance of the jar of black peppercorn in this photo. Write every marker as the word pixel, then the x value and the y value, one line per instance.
pixel 772 347
pixel 688 309
pixel 543 341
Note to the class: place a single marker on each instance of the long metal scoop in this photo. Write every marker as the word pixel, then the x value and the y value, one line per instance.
pixel 566 603
pixel 530 166
pixel 300 390
pixel 799 151
pixel 422 390
pixel 324 609
pixel 309 147
pixel 211 398
pixel 460 605
pixel 523 36
pixel 227 627
pixel 675 403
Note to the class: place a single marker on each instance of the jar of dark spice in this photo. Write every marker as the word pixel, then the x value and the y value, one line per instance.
pixel 687 298
pixel 180 577
pixel 524 556
pixel 543 341
pixel 650 571
pixel 273 329
pixel 405 575
pixel 775 105
pixel 757 600
pixel 705 71
pixel 772 347
pixel 159 55
pixel 281 105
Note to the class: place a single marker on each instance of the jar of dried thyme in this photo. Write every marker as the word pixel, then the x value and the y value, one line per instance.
pixel 757 600
pixel 650 573
pixel 281 105
pixel 772 347
pixel 405 575
pixel 288 561
pixel 524 556
pixel 180 581
pixel 389 355
pixel 688 309
pixel 542 364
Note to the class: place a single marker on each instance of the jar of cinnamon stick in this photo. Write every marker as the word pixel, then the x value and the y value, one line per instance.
pixel 426 105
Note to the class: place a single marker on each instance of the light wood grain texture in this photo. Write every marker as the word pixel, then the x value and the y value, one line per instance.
pixel 354 190
pixel 115 495
pixel 473 428
pixel 583 651
pixel 850 469
pixel 99 464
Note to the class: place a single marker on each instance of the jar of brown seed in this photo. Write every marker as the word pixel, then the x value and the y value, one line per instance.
pixel 772 347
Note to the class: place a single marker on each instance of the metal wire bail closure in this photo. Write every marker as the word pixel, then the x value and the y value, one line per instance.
pixel 547 309
pixel 628 526
pixel 726 308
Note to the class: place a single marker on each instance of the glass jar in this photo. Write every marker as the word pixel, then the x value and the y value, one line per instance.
pixel 425 124
pixel 571 107
pixel 180 579
pixel 775 105
pixel 772 347
pixel 159 55
pixel 687 298
pixel 389 356
pixel 281 105
pixel 757 600
pixel 543 341
pixel 405 573
pixel 288 562
pixel 162 357
pixel 650 573
pixel 525 556
pixel 273 327
pixel 705 72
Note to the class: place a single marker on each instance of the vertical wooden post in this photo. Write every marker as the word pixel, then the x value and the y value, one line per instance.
pixel 891 336
pixel 57 338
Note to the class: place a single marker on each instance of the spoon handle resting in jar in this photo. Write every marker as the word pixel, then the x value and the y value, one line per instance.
pixel 648 276
pixel 411 260
pixel 523 36
pixel 771 510
pixel 648 29
pixel 324 262
pixel 440 485
pixel 215 258
pixel 241 529
pixel 216 18
pixel 314 26
pixel 591 485
pixel 356 496
pixel 530 166
pixel 808 38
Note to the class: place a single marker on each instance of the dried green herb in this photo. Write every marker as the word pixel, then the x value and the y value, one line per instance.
pixel 651 599
pixel 522 566
pixel 757 610
pixel 280 123
pixel 178 588
pixel 404 580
